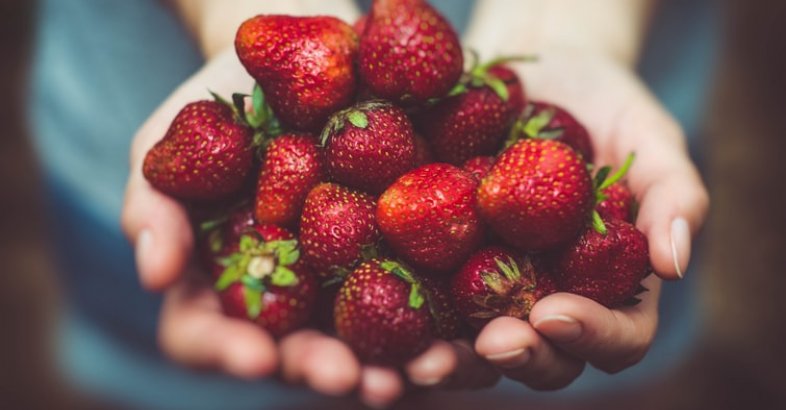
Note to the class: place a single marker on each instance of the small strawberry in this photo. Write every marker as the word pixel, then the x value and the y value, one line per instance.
pixel 618 204
pixel 479 167
pixel 549 121
pixel 496 283
pixel 408 52
pixel 607 268
pixel 383 314
pixel 423 154
pixel 369 145
pixel 337 229
pixel 265 281
pixel 292 165
pixel 428 217
pixel 206 154
pixel 474 121
pixel 538 195
pixel 305 65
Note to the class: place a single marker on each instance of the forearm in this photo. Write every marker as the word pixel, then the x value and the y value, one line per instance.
pixel 612 27
pixel 214 22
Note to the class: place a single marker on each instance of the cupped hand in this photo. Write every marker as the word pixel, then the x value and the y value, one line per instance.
pixel 566 331
pixel 193 331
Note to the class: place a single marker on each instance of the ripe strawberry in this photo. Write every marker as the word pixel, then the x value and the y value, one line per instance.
pixel 495 283
pixel 206 154
pixel 305 65
pixel 479 167
pixel 369 145
pixel 607 268
pixel 476 121
pixel 337 228
pixel 549 121
pixel 408 52
pixel 423 154
pixel 265 281
pixel 538 195
pixel 292 165
pixel 428 217
pixel 618 203
pixel 383 314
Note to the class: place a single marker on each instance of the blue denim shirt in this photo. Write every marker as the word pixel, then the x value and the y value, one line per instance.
pixel 101 67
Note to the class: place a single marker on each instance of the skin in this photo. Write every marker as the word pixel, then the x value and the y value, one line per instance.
pixel 585 65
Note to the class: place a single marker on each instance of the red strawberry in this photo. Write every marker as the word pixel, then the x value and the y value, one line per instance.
pixel 538 195
pixel 607 268
pixel 337 227
pixel 305 65
pixel 423 153
pixel 549 121
pixel 265 281
pixel 428 217
pixel 409 52
pixel 479 167
pixel 382 313
pixel 474 122
pixel 206 154
pixel 292 165
pixel 369 145
pixel 496 283
pixel 618 203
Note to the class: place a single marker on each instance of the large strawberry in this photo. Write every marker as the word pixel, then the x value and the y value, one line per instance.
pixel 549 121
pixel 607 268
pixel 305 65
pixel 264 280
pixel 206 154
pixel 476 121
pixel 428 217
pixel 337 229
pixel 408 52
pixel 494 282
pixel 369 145
pixel 383 314
pixel 292 165
pixel 538 195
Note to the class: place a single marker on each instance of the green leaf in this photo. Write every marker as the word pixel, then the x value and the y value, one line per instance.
pixel 551 134
pixel 247 243
pixel 283 276
pixel 231 274
pixel 535 124
pixel 499 87
pixel 416 298
pixel 597 223
pixel 510 270
pixel 258 102
pixel 601 176
pixel 459 88
pixel 253 300
pixel 620 172
pixel 215 241
pixel 219 98
pixel 358 119
pixel 398 270
pixel 253 283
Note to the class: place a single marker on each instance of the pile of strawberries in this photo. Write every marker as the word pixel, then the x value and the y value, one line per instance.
pixel 372 187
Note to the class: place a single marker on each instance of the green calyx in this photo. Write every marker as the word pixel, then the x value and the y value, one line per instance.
pixel 258 265
pixel 416 293
pixel 355 115
pixel 260 119
pixel 602 181
pixel 511 289
pixel 531 125
pixel 479 76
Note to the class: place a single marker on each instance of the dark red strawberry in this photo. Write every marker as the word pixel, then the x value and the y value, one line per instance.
pixel 476 121
pixel 607 268
pixel 549 121
pixel 408 52
pixel 428 217
pixel 305 65
pixel 479 167
pixel 206 154
pixel 538 195
pixel 369 145
pixel 494 282
pixel 447 322
pixel 337 228
pixel 423 153
pixel 265 281
pixel 618 203
pixel 292 165
pixel 383 314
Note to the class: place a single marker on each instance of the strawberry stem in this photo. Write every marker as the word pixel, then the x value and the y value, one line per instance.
pixel 620 172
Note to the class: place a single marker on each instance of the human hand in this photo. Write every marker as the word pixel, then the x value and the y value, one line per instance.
pixel 193 330
pixel 565 331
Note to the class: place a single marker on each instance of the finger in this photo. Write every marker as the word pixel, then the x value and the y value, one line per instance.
pixel 380 386
pixel 523 355
pixel 672 197
pixel 610 339
pixel 193 331
pixel 321 362
pixel 451 365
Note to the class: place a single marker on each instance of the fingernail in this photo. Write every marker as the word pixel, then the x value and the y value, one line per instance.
pixel 511 359
pixel 375 380
pixel 680 245
pixel 559 328
pixel 144 244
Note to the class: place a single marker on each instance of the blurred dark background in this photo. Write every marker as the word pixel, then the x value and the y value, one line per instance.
pixel 740 362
